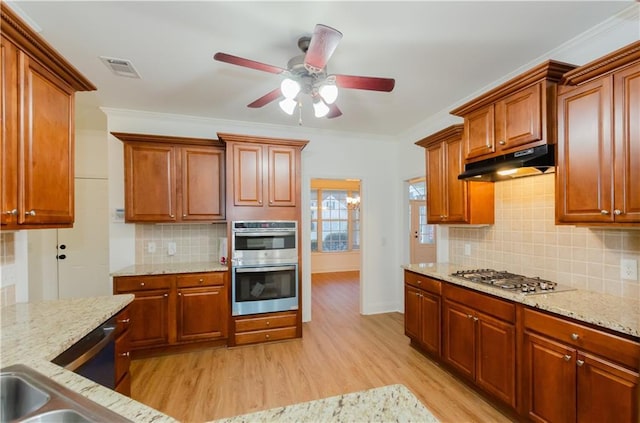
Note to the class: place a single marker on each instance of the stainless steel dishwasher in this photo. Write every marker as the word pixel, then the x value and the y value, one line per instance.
pixel 93 356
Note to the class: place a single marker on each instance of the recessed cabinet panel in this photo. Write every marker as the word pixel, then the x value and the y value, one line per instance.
pixel 282 176
pixel 247 175
pixel 519 120
pixel 9 114
pixel 456 192
pixel 436 207
pixel 202 190
pixel 479 138
pixel 149 319
pixel 202 313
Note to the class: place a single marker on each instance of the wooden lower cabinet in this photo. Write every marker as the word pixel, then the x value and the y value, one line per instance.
pixel 575 373
pixel 265 328
pixel 422 312
pixel 175 309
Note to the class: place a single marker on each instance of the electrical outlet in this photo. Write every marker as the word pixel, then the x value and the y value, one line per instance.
pixel 467 249
pixel 151 247
pixel 629 269
pixel 171 248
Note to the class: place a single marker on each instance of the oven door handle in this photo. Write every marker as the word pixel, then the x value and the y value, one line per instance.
pixel 261 234
pixel 263 269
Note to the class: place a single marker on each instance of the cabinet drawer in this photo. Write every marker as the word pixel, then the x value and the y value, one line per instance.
pixel 265 335
pixel 266 322
pixel 140 283
pixel 615 348
pixel 123 321
pixel 423 282
pixel 482 302
pixel 200 279
pixel 123 357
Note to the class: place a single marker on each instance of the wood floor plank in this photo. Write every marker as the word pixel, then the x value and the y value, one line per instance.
pixel 341 351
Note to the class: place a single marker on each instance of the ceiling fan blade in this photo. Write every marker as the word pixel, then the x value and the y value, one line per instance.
pixel 266 99
pixel 323 42
pixel 235 60
pixel 365 83
pixel 334 111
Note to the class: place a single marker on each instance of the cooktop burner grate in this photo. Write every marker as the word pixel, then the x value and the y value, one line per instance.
pixel 511 281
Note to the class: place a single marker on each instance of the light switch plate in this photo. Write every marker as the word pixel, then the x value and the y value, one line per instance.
pixel 171 248
pixel 629 269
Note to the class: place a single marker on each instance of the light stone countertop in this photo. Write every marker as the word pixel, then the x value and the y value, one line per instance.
pixel 35 333
pixel 604 310
pixel 393 403
pixel 168 268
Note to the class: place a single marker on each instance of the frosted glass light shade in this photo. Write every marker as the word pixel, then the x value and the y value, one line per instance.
pixel 329 93
pixel 320 109
pixel 288 105
pixel 289 88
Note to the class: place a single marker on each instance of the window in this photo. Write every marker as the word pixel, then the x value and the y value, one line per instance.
pixel 335 225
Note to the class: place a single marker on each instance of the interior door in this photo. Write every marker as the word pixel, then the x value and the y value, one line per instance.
pixel 83 251
pixel 423 236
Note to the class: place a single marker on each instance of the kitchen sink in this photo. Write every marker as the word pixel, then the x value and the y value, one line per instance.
pixel 19 397
pixel 31 397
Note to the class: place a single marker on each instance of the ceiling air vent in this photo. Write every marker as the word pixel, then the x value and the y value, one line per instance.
pixel 120 67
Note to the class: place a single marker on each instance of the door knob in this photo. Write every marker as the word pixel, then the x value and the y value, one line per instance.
pixel 61 257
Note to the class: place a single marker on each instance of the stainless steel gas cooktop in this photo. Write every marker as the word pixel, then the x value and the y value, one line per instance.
pixel 511 281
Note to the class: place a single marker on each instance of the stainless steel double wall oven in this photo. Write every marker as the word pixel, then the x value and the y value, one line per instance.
pixel 264 266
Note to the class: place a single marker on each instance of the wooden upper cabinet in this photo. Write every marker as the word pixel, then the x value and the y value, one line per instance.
pixel 173 179
pixel 449 199
pixel 265 181
pixel 37 110
pixel 516 115
pixel 598 175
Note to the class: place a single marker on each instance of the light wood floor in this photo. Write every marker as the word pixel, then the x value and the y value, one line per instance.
pixel 341 351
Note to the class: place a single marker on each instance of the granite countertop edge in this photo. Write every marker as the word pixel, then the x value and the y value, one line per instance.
pixel 604 310
pixel 169 268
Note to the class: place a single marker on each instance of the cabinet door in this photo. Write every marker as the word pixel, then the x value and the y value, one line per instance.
pixel 202 179
pixel 430 322
pixel 479 134
pixel 519 119
pixel 459 347
pixel 584 191
pixel 550 391
pixel 202 313
pixel 150 182
pixel 436 189
pixel 247 174
pixel 9 117
pixel 149 319
pixel 456 190
pixel 412 319
pixel 627 144
pixel 496 358
pixel 46 142
pixel 282 176
pixel 606 392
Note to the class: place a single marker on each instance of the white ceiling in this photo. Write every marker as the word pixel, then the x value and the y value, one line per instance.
pixel 438 52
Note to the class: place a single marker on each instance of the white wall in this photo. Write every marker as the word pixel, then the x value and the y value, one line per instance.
pixel 359 157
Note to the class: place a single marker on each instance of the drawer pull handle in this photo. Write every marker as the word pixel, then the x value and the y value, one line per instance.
pixel 580 363
pixel 575 336
pixel 268 323
pixel 267 336
pixel 141 283
pixel 127 320
pixel 124 354
pixel 419 282
pixel 180 294
pixel 165 295
pixel 201 280
pixel 566 357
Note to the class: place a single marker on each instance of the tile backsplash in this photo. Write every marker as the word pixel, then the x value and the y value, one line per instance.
pixel 193 242
pixel 7 260
pixel 526 240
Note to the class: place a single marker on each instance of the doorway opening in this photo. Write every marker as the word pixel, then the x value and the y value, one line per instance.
pixel 422 236
pixel 335 229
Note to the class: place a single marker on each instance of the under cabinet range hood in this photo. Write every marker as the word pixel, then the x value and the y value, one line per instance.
pixel 528 162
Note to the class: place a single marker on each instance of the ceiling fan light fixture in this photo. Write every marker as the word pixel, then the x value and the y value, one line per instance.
pixel 320 108
pixel 289 88
pixel 329 93
pixel 288 105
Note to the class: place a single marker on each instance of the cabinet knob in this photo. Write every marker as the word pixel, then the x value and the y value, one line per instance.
pixel 475 319
pixel 141 283
pixel 124 354
pixel 575 336
pixel 579 363
pixel 488 145
pixel 125 321
pixel 267 336
pixel 179 294
pixel 165 295
pixel 419 282
pixel 566 357
pixel 617 212
pixel 11 212
pixel 184 215
pixel 469 316
pixel 268 323
pixel 30 213
pixel 172 216
pixel 604 212
pixel 200 280
pixel 501 142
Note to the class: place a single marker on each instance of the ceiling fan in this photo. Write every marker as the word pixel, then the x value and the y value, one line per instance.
pixel 307 74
